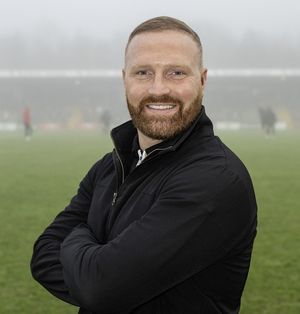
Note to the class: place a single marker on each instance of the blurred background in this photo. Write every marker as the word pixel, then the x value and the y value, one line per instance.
pixel 61 92
pixel 63 59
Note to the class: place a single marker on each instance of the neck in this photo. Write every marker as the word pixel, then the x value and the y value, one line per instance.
pixel 145 141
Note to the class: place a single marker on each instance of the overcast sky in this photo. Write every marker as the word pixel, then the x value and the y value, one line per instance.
pixel 103 18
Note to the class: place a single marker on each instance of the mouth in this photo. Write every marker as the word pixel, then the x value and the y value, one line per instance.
pixel 160 107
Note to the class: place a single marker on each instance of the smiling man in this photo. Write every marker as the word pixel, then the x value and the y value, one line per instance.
pixel 164 80
pixel 166 222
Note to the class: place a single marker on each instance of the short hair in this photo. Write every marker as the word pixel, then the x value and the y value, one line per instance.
pixel 165 23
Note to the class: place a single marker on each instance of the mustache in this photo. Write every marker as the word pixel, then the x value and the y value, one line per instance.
pixel 163 99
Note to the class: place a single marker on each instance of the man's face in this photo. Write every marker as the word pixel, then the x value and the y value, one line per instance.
pixel 164 82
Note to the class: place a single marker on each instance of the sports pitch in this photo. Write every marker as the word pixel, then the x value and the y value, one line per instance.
pixel 39 177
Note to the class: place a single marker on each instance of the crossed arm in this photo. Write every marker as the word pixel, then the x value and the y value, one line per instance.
pixel 183 232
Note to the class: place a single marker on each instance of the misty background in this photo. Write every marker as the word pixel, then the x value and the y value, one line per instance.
pixel 63 59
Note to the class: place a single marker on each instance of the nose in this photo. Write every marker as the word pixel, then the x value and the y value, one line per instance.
pixel 158 86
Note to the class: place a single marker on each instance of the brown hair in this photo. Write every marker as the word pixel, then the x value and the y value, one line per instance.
pixel 162 23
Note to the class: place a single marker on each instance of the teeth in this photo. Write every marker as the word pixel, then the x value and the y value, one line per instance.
pixel 161 107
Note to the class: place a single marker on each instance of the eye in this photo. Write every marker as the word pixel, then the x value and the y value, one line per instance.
pixel 176 74
pixel 143 74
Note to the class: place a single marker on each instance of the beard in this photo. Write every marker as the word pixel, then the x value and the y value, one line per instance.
pixel 164 127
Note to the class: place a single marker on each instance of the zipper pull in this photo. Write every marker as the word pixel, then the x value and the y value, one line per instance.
pixel 114 198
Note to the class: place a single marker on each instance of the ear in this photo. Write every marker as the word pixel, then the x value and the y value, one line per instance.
pixel 123 74
pixel 203 76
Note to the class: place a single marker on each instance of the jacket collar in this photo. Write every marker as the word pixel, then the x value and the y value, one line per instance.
pixel 123 135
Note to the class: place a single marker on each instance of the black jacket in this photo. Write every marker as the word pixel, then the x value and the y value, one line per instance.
pixel 172 236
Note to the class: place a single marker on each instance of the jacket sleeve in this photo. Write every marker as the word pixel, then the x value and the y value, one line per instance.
pixel 45 265
pixel 193 223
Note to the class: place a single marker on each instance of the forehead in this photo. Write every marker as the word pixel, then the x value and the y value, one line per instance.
pixel 162 46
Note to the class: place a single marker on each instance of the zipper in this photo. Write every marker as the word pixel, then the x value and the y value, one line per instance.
pixel 114 199
pixel 115 195
pixel 122 166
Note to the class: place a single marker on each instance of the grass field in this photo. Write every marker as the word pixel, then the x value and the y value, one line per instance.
pixel 39 177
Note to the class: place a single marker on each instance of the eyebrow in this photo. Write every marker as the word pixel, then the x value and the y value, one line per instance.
pixel 185 67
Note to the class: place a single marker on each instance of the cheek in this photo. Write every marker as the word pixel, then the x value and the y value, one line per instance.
pixel 188 94
pixel 134 92
pixel 188 90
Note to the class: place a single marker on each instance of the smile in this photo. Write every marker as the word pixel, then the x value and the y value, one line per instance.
pixel 161 107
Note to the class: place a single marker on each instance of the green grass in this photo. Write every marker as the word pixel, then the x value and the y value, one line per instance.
pixel 39 177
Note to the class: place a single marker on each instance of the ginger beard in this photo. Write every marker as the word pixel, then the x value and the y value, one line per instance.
pixel 160 127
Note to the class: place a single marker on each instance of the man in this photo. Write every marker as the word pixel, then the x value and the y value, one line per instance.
pixel 26 118
pixel 166 222
pixel 267 119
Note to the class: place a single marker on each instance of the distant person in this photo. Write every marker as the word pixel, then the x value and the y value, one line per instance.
pixel 26 117
pixel 105 120
pixel 271 120
pixel 164 223
pixel 268 120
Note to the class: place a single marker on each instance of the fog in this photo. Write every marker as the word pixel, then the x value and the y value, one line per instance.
pixel 90 35
pixel 84 34
pixel 105 18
